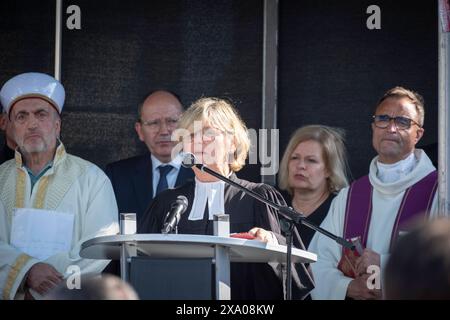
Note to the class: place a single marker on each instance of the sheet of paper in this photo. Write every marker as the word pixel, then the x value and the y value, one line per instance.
pixel 41 233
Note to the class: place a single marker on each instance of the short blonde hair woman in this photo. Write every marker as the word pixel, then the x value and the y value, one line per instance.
pixel 213 131
pixel 214 115
pixel 313 169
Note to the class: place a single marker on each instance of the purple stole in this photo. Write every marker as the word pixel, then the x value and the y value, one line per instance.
pixel 416 202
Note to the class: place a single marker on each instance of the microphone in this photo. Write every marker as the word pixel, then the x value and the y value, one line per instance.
pixel 173 216
pixel 189 160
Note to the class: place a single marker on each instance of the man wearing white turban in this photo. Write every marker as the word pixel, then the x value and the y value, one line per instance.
pixel 50 201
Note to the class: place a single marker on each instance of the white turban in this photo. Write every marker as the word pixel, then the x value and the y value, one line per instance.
pixel 32 84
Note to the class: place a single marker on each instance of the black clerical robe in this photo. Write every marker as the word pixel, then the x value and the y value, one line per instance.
pixel 248 280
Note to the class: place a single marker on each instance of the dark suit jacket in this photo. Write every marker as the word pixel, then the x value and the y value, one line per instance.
pixel 6 153
pixel 132 182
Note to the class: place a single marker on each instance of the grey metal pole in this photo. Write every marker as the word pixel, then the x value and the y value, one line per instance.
pixel 443 124
pixel 222 258
pixel 58 38
pixel 270 82
pixel 127 250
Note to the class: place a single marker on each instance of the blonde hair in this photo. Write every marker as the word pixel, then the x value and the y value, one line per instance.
pixel 333 151
pixel 221 115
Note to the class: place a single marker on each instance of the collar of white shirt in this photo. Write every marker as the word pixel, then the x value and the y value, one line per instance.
pixel 176 163
pixel 393 172
pixel 211 193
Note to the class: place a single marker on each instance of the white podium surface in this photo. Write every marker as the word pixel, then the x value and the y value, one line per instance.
pixel 191 246
pixel 222 251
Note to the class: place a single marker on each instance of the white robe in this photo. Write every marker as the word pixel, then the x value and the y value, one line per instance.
pixel 330 283
pixel 71 185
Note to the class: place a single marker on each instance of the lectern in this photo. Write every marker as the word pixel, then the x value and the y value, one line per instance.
pixel 220 251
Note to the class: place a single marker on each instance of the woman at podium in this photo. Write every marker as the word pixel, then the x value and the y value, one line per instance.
pixel 212 130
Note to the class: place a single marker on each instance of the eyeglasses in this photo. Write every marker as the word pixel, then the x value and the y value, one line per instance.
pixel 382 121
pixel 209 134
pixel 155 125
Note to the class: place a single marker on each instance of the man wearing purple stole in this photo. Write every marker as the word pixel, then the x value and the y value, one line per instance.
pixel 377 208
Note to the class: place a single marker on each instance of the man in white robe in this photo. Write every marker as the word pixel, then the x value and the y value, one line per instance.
pixel 397 127
pixel 44 177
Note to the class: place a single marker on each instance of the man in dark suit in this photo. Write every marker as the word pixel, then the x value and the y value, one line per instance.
pixel 137 180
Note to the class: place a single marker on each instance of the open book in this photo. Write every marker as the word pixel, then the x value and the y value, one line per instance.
pixel 347 264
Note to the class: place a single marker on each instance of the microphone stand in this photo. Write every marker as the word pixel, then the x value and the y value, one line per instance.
pixel 289 240
pixel 293 218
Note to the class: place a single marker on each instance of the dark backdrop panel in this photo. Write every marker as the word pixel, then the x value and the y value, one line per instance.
pixel 128 48
pixel 332 69
pixel 26 38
